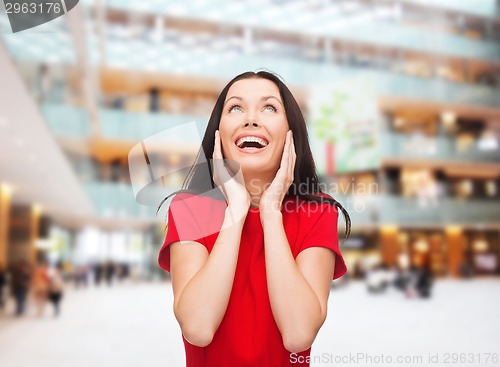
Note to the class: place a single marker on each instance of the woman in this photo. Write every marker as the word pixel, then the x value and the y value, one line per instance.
pixel 252 247
pixel 40 285
pixel 56 288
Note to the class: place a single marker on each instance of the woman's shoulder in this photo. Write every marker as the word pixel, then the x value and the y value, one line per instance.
pixel 197 201
pixel 187 209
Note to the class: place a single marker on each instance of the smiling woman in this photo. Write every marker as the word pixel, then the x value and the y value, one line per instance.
pixel 253 128
pixel 252 246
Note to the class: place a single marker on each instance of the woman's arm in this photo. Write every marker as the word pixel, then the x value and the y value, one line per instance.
pixel 202 283
pixel 298 289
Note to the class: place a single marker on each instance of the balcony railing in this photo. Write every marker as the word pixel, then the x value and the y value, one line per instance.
pixel 118 124
pixel 226 64
pixel 115 124
pixel 484 8
pixel 116 201
pixel 379 210
pixel 440 147
pixel 68 121
pixel 362 24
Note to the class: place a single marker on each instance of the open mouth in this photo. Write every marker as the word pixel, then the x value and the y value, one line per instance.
pixel 251 143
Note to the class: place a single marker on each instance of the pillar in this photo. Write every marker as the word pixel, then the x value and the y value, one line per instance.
pixel 455 243
pixel 389 246
pixel 5 199
pixel 34 228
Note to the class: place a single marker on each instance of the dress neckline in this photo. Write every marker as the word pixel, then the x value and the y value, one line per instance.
pixel 254 210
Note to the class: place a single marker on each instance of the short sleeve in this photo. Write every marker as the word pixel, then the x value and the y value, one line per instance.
pixel 183 224
pixel 323 232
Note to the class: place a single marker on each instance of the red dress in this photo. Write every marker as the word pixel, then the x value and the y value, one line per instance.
pixel 248 334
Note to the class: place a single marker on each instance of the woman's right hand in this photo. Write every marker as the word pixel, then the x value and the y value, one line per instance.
pixel 233 188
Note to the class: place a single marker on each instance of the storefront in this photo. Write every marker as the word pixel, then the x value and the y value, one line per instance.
pixel 482 252
pixel 450 251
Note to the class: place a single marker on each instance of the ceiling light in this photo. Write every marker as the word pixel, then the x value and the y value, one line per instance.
pixel 37 208
pixel 452 229
pixel 448 118
pixel 6 189
pixel 480 245
pixel 422 246
pixel 399 121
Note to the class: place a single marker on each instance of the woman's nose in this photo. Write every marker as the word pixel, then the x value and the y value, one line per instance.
pixel 251 121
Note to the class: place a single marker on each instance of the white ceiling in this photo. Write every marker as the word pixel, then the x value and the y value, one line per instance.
pixel 31 161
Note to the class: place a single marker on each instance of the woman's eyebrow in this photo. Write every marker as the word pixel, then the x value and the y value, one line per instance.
pixel 267 97
pixel 239 98
pixel 262 99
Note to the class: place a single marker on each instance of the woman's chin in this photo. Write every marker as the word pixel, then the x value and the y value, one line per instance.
pixel 256 167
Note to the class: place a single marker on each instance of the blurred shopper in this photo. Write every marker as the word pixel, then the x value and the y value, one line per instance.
pixel 40 284
pixel 45 83
pixel 424 283
pixel 359 269
pixel 465 270
pixel 56 288
pixel 411 283
pixel 81 276
pixel 20 284
pixel 377 279
pixel 154 100
pixel 98 270
pixel 402 279
pixel 121 271
pixel 3 282
pixel 109 271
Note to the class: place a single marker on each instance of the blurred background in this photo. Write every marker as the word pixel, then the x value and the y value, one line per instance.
pixel 402 101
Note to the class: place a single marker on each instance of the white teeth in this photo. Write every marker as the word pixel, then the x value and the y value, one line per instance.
pixel 262 142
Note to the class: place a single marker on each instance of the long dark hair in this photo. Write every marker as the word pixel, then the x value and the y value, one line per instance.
pixel 305 184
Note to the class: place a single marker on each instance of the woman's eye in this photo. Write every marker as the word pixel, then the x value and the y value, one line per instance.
pixel 235 108
pixel 270 108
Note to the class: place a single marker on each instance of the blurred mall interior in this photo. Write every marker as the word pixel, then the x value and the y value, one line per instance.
pixel 402 100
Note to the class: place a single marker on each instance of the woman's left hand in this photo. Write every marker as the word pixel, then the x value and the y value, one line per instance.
pixel 273 196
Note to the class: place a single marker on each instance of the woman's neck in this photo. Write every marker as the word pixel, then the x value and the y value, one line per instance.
pixel 256 187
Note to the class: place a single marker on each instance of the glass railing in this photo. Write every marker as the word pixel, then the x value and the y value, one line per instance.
pixel 122 124
pixel 116 201
pixel 70 121
pixel 484 8
pixel 50 42
pixel 390 35
pixel 225 65
pixel 445 211
pixel 363 211
pixel 362 25
pixel 395 210
pixel 65 120
pixel 115 124
pixel 440 147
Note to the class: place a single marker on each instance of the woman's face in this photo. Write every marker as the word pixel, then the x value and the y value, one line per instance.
pixel 253 126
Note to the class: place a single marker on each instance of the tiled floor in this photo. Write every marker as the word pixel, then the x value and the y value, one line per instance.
pixel 133 325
